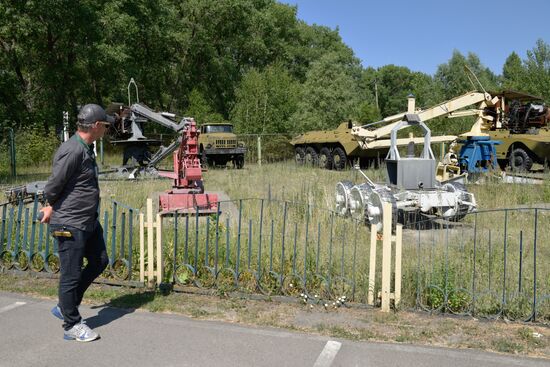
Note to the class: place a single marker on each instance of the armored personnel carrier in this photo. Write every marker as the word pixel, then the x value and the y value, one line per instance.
pixel 524 131
pixel 333 149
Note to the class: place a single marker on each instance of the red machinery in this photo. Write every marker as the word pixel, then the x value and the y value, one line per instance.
pixel 187 194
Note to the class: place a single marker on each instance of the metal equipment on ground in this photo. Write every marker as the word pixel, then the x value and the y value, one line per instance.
pixel 411 187
pixel 512 128
pixel 187 194
pixel 478 154
pixel 217 142
pixel 26 193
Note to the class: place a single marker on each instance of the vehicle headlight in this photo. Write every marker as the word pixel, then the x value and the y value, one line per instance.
pixel 240 144
pixel 208 146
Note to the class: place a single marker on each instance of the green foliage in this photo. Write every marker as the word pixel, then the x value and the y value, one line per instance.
pixel 537 67
pixel 532 75
pixel 443 282
pixel 513 73
pixel 368 112
pixel 454 80
pixel 395 83
pixel 276 148
pixel 251 61
pixel 32 148
pixel 265 101
pixel 201 110
pixel 330 94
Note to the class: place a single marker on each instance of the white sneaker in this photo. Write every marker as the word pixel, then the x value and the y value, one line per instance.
pixel 81 333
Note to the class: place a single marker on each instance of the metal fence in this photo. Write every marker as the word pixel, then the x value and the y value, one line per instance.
pixel 272 247
pixel 267 148
pixel 25 243
pixel 492 264
pixel 495 263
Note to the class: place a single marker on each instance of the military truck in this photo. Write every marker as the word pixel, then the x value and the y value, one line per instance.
pixel 333 149
pixel 218 145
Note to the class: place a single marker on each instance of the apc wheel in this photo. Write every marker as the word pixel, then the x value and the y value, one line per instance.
pixel 339 159
pixel 311 158
pixel 204 161
pixel 299 155
pixel 520 160
pixel 325 159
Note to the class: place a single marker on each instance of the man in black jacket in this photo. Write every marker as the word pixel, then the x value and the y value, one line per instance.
pixel 72 192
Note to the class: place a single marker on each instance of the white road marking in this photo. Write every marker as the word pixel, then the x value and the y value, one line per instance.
pixel 328 354
pixel 12 306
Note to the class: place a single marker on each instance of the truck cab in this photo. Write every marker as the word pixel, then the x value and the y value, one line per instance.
pixel 219 145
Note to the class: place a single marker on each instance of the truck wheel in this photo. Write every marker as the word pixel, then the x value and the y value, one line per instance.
pixel 239 162
pixel 204 161
pixel 325 159
pixel 311 158
pixel 339 159
pixel 520 160
pixel 299 155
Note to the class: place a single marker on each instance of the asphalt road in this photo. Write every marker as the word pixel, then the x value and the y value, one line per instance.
pixel 31 336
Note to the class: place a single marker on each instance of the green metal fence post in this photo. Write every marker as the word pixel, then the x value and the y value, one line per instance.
pixel 12 153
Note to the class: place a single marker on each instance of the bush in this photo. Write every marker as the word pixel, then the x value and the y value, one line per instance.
pixel 32 148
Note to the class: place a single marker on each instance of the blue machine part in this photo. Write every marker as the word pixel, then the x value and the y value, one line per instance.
pixel 478 154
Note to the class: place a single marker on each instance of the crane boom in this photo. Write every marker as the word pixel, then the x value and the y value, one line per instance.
pixel 157 117
pixel 451 108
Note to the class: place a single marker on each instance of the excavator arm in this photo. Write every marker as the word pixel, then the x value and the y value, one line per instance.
pixel 145 112
pixel 140 112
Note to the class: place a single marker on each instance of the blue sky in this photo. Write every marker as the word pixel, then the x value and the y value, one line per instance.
pixel 421 34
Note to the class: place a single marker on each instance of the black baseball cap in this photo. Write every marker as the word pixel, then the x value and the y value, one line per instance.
pixel 91 113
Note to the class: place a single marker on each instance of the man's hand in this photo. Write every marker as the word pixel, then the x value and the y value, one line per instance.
pixel 47 213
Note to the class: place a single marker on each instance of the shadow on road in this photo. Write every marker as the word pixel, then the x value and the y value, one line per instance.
pixel 118 308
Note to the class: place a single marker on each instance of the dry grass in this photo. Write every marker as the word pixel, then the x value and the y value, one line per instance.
pixel 449 268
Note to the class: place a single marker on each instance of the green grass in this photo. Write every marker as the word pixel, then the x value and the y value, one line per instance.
pixel 444 260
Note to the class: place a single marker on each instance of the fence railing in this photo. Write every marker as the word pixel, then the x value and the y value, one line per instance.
pixel 269 246
pixel 491 264
pixel 26 244
pixel 494 263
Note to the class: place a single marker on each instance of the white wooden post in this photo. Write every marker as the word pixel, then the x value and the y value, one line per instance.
pixel 160 262
pixel 398 253
pixel 372 265
pixel 141 247
pixel 150 243
pixel 386 256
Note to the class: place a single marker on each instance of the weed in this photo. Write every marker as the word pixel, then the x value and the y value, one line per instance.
pixel 506 346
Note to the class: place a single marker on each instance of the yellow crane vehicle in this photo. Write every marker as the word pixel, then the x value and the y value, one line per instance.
pixel 523 128
pixel 520 123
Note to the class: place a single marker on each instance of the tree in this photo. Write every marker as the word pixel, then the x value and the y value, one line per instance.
pixel 201 110
pixel 330 94
pixel 368 112
pixel 265 101
pixel 40 52
pixel 454 80
pixel 537 67
pixel 513 73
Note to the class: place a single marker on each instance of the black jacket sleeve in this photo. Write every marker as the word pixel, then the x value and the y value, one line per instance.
pixel 65 165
